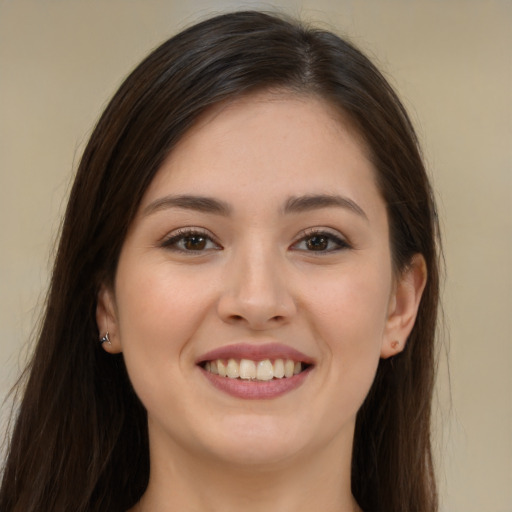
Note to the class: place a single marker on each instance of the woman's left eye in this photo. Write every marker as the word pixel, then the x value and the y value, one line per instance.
pixel 320 242
pixel 190 242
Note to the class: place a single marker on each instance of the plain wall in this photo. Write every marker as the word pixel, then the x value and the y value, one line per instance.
pixel 450 61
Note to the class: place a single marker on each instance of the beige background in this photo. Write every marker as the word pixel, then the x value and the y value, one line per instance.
pixel 450 60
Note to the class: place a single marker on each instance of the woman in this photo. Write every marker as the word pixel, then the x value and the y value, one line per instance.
pixel 251 237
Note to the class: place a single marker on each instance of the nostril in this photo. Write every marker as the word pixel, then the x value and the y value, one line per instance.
pixel 239 318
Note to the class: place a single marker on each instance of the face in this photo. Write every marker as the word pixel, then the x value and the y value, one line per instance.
pixel 260 249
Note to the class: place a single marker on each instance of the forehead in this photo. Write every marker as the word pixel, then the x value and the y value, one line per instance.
pixel 265 146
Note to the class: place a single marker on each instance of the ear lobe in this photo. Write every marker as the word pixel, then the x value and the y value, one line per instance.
pixel 403 306
pixel 106 319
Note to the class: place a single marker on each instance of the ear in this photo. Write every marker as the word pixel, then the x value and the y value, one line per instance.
pixel 106 319
pixel 403 306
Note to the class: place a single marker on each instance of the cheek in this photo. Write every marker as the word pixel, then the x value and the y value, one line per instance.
pixel 158 305
pixel 349 312
pixel 159 311
pixel 351 303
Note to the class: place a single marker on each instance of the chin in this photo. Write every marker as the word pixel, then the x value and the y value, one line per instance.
pixel 260 441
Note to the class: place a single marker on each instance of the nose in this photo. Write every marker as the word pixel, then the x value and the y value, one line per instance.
pixel 256 292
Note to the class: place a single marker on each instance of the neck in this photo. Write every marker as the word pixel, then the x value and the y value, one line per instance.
pixel 303 483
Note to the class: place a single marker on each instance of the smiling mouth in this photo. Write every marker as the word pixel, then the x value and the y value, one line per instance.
pixel 251 370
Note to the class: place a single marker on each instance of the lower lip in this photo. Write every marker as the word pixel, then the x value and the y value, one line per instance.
pixel 254 389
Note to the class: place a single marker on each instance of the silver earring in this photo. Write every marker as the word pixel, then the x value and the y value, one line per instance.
pixel 105 338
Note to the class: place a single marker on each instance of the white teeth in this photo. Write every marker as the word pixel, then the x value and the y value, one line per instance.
pixel 278 368
pixel 233 369
pixel 221 368
pixel 264 370
pixel 247 369
pixel 289 366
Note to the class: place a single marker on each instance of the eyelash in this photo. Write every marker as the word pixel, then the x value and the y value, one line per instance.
pixel 340 243
pixel 182 235
pixel 172 242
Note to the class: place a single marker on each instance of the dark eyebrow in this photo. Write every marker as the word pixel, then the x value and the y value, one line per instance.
pixel 293 204
pixel 313 202
pixel 188 202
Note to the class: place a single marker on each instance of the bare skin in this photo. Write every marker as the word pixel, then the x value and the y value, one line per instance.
pixel 294 486
pixel 263 228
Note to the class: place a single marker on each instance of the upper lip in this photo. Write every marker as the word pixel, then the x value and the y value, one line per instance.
pixel 255 352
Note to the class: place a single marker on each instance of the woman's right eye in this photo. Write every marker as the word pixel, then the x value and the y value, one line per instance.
pixel 190 241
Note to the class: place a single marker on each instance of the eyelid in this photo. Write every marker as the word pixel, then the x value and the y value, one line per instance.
pixel 341 240
pixel 174 236
pixel 171 240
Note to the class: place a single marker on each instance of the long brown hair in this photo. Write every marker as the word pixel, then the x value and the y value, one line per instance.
pixel 80 440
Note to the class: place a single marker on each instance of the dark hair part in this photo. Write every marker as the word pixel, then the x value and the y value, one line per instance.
pixel 80 440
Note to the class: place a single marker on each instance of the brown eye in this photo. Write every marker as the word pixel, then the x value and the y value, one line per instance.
pixel 317 243
pixel 194 243
pixel 322 242
pixel 190 242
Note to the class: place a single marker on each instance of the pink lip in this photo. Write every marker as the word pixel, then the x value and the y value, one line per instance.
pixel 255 353
pixel 257 390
